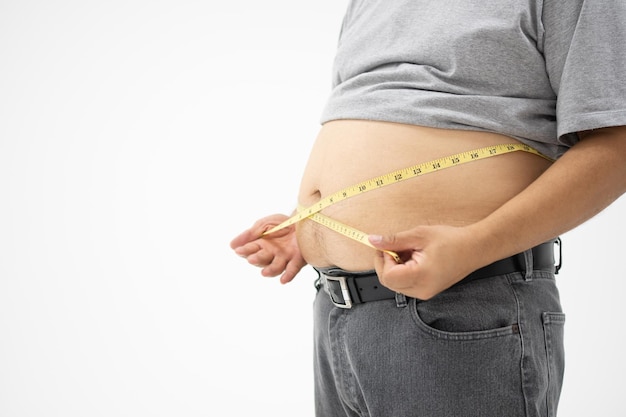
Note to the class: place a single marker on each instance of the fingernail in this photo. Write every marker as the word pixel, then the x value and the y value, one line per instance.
pixel 375 238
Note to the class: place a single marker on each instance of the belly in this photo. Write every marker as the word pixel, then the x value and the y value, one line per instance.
pixel 347 152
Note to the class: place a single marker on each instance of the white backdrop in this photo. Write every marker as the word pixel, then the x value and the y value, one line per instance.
pixel 137 138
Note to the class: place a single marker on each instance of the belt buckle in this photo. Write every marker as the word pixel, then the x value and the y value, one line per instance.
pixel 345 292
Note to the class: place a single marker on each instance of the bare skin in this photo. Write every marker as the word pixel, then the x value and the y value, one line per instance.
pixel 473 214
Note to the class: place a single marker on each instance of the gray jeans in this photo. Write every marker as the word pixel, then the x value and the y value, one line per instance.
pixel 490 348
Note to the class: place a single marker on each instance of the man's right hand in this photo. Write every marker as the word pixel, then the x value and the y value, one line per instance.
pixel 277 253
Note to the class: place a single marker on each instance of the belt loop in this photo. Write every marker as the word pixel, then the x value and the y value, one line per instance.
pixel 401 301
pixel 318 281
pixel 528 267
pixel 560 262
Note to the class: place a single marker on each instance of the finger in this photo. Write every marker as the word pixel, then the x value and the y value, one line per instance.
pixel 247 249
pixel 379 262
pixel 385 265
pixel 274 268
pixel 396 242
pixel 290 273
pixel 244 238
pixel 261 258
pixel 388 263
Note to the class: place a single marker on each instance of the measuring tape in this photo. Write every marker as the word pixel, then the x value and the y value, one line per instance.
pixel 313 212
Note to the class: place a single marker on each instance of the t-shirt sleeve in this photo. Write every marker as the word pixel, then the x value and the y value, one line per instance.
pixel 585 51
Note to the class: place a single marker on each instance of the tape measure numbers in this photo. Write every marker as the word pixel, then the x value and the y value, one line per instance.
pixel 313 212
pixel 348 231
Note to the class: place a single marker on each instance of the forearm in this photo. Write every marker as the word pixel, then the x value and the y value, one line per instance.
pixel 583 182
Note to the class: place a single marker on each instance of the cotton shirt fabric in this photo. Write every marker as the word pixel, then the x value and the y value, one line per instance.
pixel 538 71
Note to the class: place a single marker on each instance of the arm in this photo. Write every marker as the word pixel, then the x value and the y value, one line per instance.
pixel 583 182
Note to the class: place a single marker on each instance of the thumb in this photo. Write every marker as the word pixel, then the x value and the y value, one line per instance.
pixel 390 242
pixel 411 239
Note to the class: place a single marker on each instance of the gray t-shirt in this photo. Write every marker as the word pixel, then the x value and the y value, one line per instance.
pixel 536 70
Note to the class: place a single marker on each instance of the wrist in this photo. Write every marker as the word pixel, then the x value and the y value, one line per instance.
pixel 491 244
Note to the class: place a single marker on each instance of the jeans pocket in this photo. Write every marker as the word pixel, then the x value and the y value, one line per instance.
pixel 553 329
pixel 476 310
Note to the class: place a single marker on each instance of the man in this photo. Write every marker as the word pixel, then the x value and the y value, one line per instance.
pixel 510 119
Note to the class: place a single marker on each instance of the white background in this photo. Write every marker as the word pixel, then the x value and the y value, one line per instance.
pixel 137 138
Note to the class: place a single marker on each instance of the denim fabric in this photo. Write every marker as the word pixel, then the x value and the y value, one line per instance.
pixel 489 348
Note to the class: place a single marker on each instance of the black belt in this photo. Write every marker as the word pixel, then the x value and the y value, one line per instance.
pixel 346 289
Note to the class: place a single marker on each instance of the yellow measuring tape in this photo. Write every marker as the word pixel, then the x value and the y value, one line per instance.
pixel 313 212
